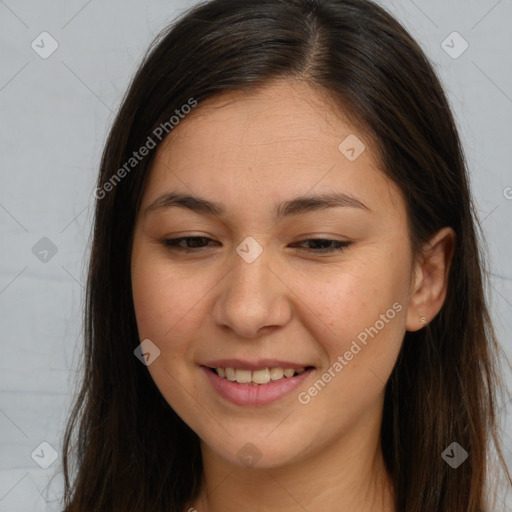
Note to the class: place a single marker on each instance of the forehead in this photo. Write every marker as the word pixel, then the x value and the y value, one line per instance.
pixel 278 116
pixel 280 141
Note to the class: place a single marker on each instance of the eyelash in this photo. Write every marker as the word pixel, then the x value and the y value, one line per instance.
pixel 172 244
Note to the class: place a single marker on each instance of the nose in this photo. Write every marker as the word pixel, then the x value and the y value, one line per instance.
pixel 254 299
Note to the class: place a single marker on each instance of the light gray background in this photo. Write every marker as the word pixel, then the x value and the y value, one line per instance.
pixel 55 114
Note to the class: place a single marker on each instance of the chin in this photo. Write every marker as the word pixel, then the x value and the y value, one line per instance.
pixel 257 453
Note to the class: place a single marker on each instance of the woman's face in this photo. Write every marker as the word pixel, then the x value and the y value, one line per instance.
pixel 256 293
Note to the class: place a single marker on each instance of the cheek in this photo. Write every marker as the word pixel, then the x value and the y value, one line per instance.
pixel 147 300
pixel 162 298
pixel 164 308
pixel 360 314
pixel 355 296
pixel 366 322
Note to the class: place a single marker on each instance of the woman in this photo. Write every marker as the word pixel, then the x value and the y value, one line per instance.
pixel 285 307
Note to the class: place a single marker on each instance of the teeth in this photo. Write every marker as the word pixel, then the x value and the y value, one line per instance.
pixel 276 373
pixel 263 376
pixel 243 376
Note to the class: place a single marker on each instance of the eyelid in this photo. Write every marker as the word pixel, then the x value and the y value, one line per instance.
pixel 173 244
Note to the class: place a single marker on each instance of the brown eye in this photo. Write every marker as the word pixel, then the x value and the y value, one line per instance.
pixel 324 245
pixel 194 243
pixel 175 243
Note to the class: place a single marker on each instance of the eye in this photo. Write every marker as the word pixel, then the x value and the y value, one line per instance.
pixel 174 243
pixel 327 245
pixel 320 245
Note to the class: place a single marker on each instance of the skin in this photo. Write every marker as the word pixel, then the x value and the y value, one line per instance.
pixel 250 151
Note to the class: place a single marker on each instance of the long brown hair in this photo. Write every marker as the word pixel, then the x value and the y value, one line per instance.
pixel 125 449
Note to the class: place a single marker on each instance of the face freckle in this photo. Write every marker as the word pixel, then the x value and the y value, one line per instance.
pixel 249 153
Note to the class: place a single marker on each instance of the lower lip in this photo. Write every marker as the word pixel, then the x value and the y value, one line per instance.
pixel 255 394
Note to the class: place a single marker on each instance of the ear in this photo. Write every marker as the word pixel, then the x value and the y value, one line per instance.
pixel 430 283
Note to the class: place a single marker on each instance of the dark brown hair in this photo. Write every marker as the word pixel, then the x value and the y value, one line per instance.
pixel 131 451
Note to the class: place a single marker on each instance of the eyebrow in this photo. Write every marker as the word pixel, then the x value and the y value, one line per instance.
pixel 296 206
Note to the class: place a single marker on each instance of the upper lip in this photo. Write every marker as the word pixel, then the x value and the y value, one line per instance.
pixel 253 365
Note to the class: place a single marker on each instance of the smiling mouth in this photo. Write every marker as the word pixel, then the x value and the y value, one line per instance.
pixel 258 377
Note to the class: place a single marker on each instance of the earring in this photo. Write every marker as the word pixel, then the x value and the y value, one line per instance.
pixel 423 320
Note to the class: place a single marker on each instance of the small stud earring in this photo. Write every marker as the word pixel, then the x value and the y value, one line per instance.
pixel 423 320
